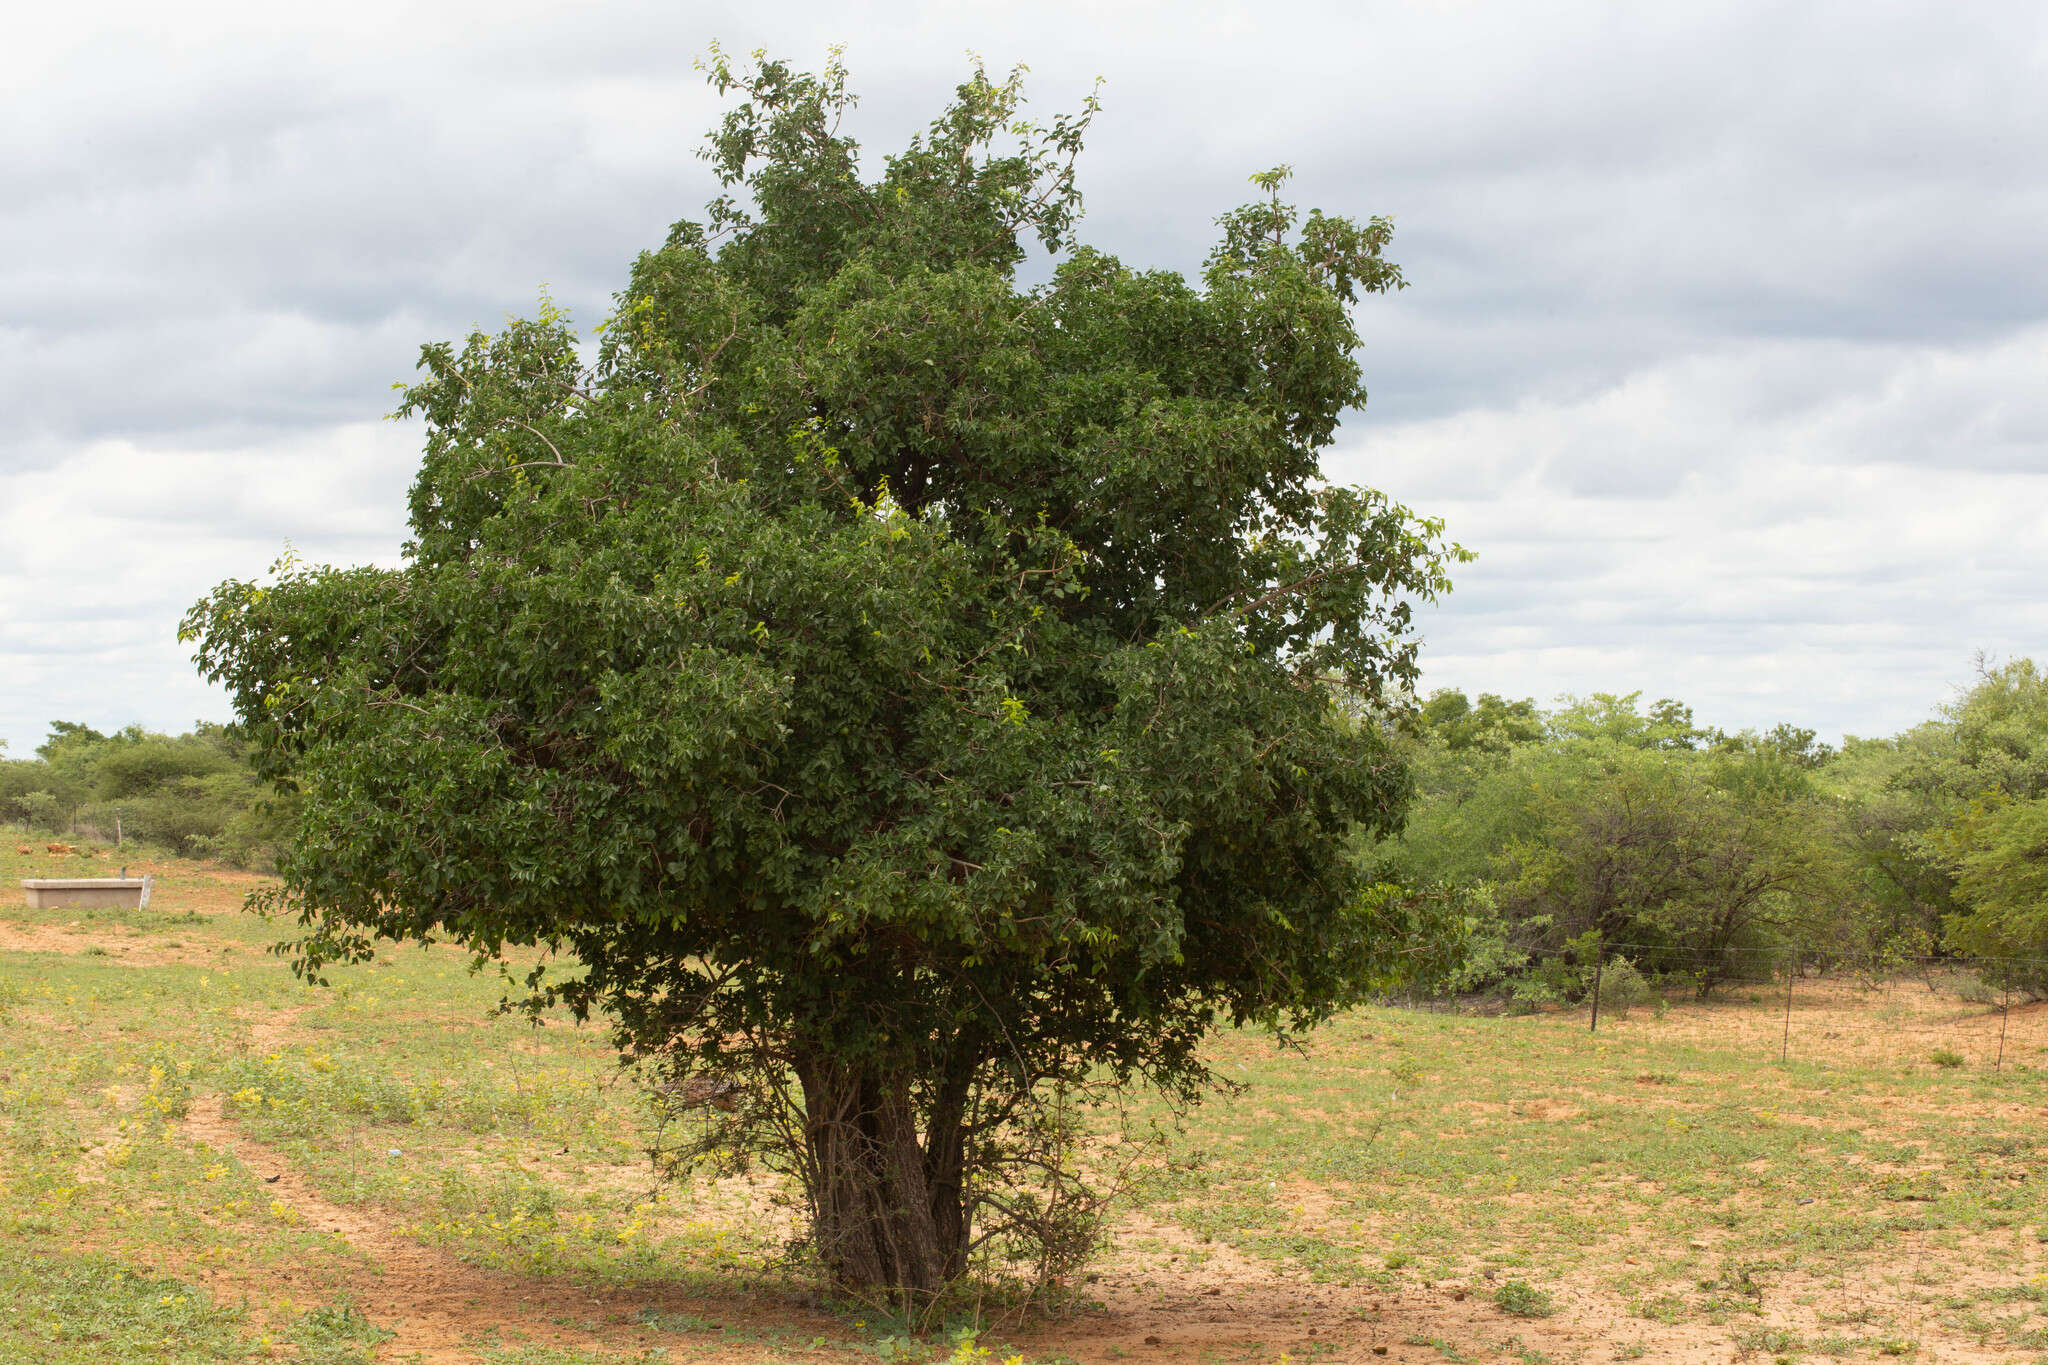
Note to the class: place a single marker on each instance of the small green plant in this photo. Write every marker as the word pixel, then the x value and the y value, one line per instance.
pixel 167 1087
pixel 1946 1059
pixel 336 1334
pixel 1523 1300
pixel 1775 1342
pixel 1736 1278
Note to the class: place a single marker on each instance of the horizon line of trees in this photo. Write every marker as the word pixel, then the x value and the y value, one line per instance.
pixel 195 795
pixel 1595 828
pixel 1604 829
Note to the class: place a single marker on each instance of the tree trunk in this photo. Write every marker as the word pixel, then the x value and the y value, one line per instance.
pixel 886 1198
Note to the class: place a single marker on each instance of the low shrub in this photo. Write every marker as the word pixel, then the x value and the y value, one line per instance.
pixel 1622 987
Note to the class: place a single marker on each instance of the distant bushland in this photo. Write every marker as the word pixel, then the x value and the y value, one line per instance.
pixel 193 795
pixel 1603 828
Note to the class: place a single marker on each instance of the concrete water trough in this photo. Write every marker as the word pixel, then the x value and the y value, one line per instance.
pixel 121 892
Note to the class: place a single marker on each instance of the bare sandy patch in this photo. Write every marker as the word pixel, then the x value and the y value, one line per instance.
pixel 129 947
pixel 1847 1022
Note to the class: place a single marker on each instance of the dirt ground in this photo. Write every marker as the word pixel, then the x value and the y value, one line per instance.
pixel 437 1306
pixel 1172 1301
pixel 1164 1294
pixel 1843 1021
pixel 1149 1306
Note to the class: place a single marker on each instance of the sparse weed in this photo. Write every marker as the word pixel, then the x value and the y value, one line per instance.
pixel 336 1334
pixel 1523 1300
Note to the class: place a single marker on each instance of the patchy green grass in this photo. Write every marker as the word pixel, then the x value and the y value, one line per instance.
pixel 61 1308
pixel 203 1159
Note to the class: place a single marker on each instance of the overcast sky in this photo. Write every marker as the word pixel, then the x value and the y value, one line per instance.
pixel 1726 347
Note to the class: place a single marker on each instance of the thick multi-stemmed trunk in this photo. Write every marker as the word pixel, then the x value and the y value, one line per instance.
pixel 886 1179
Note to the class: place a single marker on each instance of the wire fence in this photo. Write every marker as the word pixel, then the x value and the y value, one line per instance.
pixel 1940 1011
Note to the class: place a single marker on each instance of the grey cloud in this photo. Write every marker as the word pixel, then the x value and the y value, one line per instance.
pixel 1723 348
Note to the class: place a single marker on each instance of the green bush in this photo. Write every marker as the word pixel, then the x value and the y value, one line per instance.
pixel 32 795
pixel 40 810
pixel 1622 987
pixel 1490 954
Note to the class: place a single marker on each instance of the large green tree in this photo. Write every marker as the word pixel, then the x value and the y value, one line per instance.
pixel 1987 769
pixel 1599 826
pixel 904 692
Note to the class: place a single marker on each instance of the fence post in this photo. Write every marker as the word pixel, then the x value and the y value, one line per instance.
pixel 1599 966
pixel 1785 1046
pixel 2004 1017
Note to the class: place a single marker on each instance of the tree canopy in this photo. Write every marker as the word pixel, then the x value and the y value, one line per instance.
pixel 900 689
pixel 1983 772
